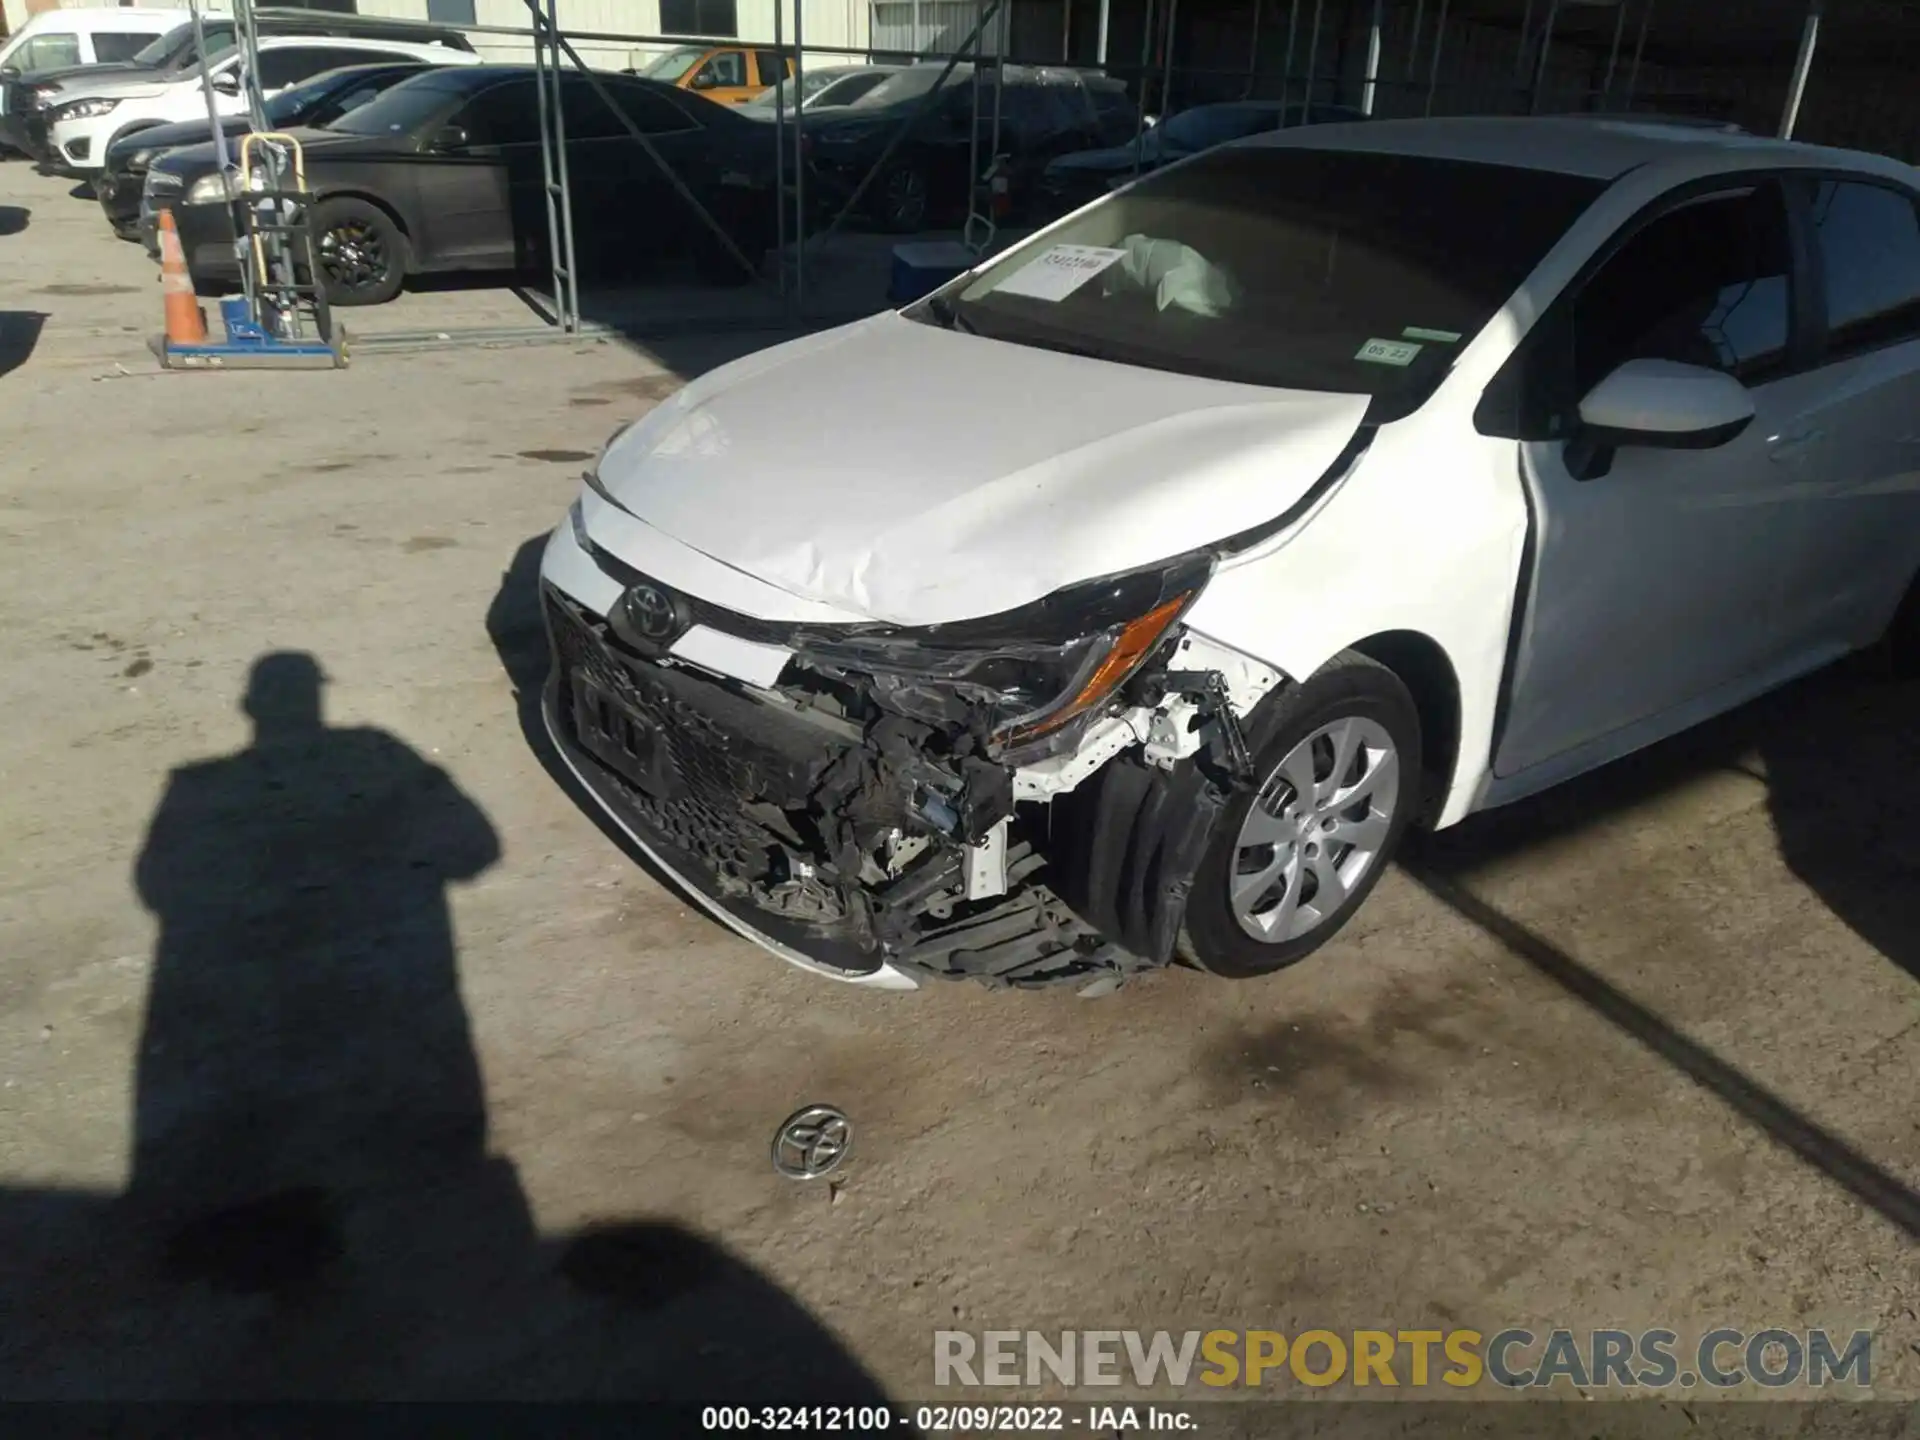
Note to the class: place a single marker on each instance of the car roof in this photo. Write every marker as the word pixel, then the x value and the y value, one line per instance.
pixel 1599 147
pixel 404 44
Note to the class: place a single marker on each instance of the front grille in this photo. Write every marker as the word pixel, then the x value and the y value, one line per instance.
pixel 739 769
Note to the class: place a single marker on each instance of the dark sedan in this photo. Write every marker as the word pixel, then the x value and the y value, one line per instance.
pixel 443 172
pixel 1072 180
pixel 1043 113
pixel 314 104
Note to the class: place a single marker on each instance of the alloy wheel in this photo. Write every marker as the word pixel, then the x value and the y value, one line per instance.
pixel 1315 830
pixel 906 198
pixel 353 255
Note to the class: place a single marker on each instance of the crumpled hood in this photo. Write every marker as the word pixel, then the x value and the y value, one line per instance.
pixel 919 475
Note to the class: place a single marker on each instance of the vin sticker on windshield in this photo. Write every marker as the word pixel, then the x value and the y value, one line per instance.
pixel 1388 352
pixel 1058 273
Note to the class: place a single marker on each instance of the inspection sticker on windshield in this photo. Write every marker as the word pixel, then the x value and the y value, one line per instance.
pixel 1388 352
pixel 1059 272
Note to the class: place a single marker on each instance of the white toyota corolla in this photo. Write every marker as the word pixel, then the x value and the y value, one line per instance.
pixel 1128 598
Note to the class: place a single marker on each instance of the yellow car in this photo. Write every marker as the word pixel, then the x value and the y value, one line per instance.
pixel 727 73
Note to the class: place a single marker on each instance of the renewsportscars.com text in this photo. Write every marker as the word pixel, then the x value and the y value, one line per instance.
pixel 1514 1358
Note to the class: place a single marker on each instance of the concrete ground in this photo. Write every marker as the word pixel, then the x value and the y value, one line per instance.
pixel 1646 1053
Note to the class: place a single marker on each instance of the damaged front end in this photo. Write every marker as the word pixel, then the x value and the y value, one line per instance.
pixel 1020 800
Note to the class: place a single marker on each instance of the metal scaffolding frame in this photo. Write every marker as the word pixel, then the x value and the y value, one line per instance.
pixel 797 242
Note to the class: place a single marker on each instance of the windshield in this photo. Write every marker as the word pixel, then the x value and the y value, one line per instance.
pixel 183 56
pixel 403 109
pixel 909 85
pixel 812 84
pixel 291 105
pixel 675 63
pixel 161 48
pixel 1274 265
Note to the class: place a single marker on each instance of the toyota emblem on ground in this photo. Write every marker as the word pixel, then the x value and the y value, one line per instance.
pixel 653 612
pixel 812 1141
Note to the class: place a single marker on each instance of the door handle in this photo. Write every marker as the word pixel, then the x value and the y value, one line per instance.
pixel 1787 447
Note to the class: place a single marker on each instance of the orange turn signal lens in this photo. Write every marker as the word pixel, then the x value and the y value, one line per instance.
pixel 1130 647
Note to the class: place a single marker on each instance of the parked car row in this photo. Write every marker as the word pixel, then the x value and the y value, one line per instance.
pixel 422 159
pixel 442 171
pixel 95 104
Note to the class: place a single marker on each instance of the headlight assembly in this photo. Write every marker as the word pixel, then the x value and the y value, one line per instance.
pixel 1031 671
pixel 220 187
pixel 81 110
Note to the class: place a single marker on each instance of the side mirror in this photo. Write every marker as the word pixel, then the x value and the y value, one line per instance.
pixel 449 137
pixel 9 72
pixel 1668 404
pixel 1658 403
pixel 227 82
pixel 705 80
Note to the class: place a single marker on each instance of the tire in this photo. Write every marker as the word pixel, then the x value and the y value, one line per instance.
pixel 903 199
pixel 361 252
pixel 1353 702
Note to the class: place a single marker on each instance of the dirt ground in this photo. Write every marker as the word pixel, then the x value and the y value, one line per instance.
pixel 1646 1053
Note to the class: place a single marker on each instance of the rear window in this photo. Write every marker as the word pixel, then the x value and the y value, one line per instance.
pixel 1274 265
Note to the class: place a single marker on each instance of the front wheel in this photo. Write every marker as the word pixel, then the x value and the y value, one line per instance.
pixel 361 253
pixel 1338 760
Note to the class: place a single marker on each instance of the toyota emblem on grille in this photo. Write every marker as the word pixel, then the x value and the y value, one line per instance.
pixel 653 613
pixel 811 1142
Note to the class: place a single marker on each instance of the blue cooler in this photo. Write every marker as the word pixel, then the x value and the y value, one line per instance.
pixel 923 266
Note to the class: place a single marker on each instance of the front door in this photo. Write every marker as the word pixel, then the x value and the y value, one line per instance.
pixel 481 200
pixel 1658 585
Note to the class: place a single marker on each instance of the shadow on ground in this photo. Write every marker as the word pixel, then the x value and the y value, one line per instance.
pixel 314 1209
pixel 19 334
pixel 13 219
pixel 1839 755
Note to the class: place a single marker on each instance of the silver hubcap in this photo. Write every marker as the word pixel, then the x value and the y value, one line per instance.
pixel 1315 830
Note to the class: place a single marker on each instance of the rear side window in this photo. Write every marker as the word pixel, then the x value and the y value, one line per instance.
pixel 654 113
pixel 767 64
pixel 1707 284
pixel 1869 243
pixel 504 115
pixel 109 47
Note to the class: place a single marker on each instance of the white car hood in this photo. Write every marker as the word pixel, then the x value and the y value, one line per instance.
pixel 121 90
pixel 917 475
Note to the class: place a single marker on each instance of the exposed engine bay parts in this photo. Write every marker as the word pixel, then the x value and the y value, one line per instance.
pixel 1020 800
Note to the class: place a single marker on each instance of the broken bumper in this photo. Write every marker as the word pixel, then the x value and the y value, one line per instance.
pixel 651 826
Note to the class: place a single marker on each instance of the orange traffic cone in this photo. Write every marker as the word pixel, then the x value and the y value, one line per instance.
pixel 186 325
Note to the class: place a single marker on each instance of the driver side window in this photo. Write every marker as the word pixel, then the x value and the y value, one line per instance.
pixel 724 70
pixel 1709 283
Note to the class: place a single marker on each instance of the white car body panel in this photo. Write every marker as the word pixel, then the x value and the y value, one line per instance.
pixel 985 475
